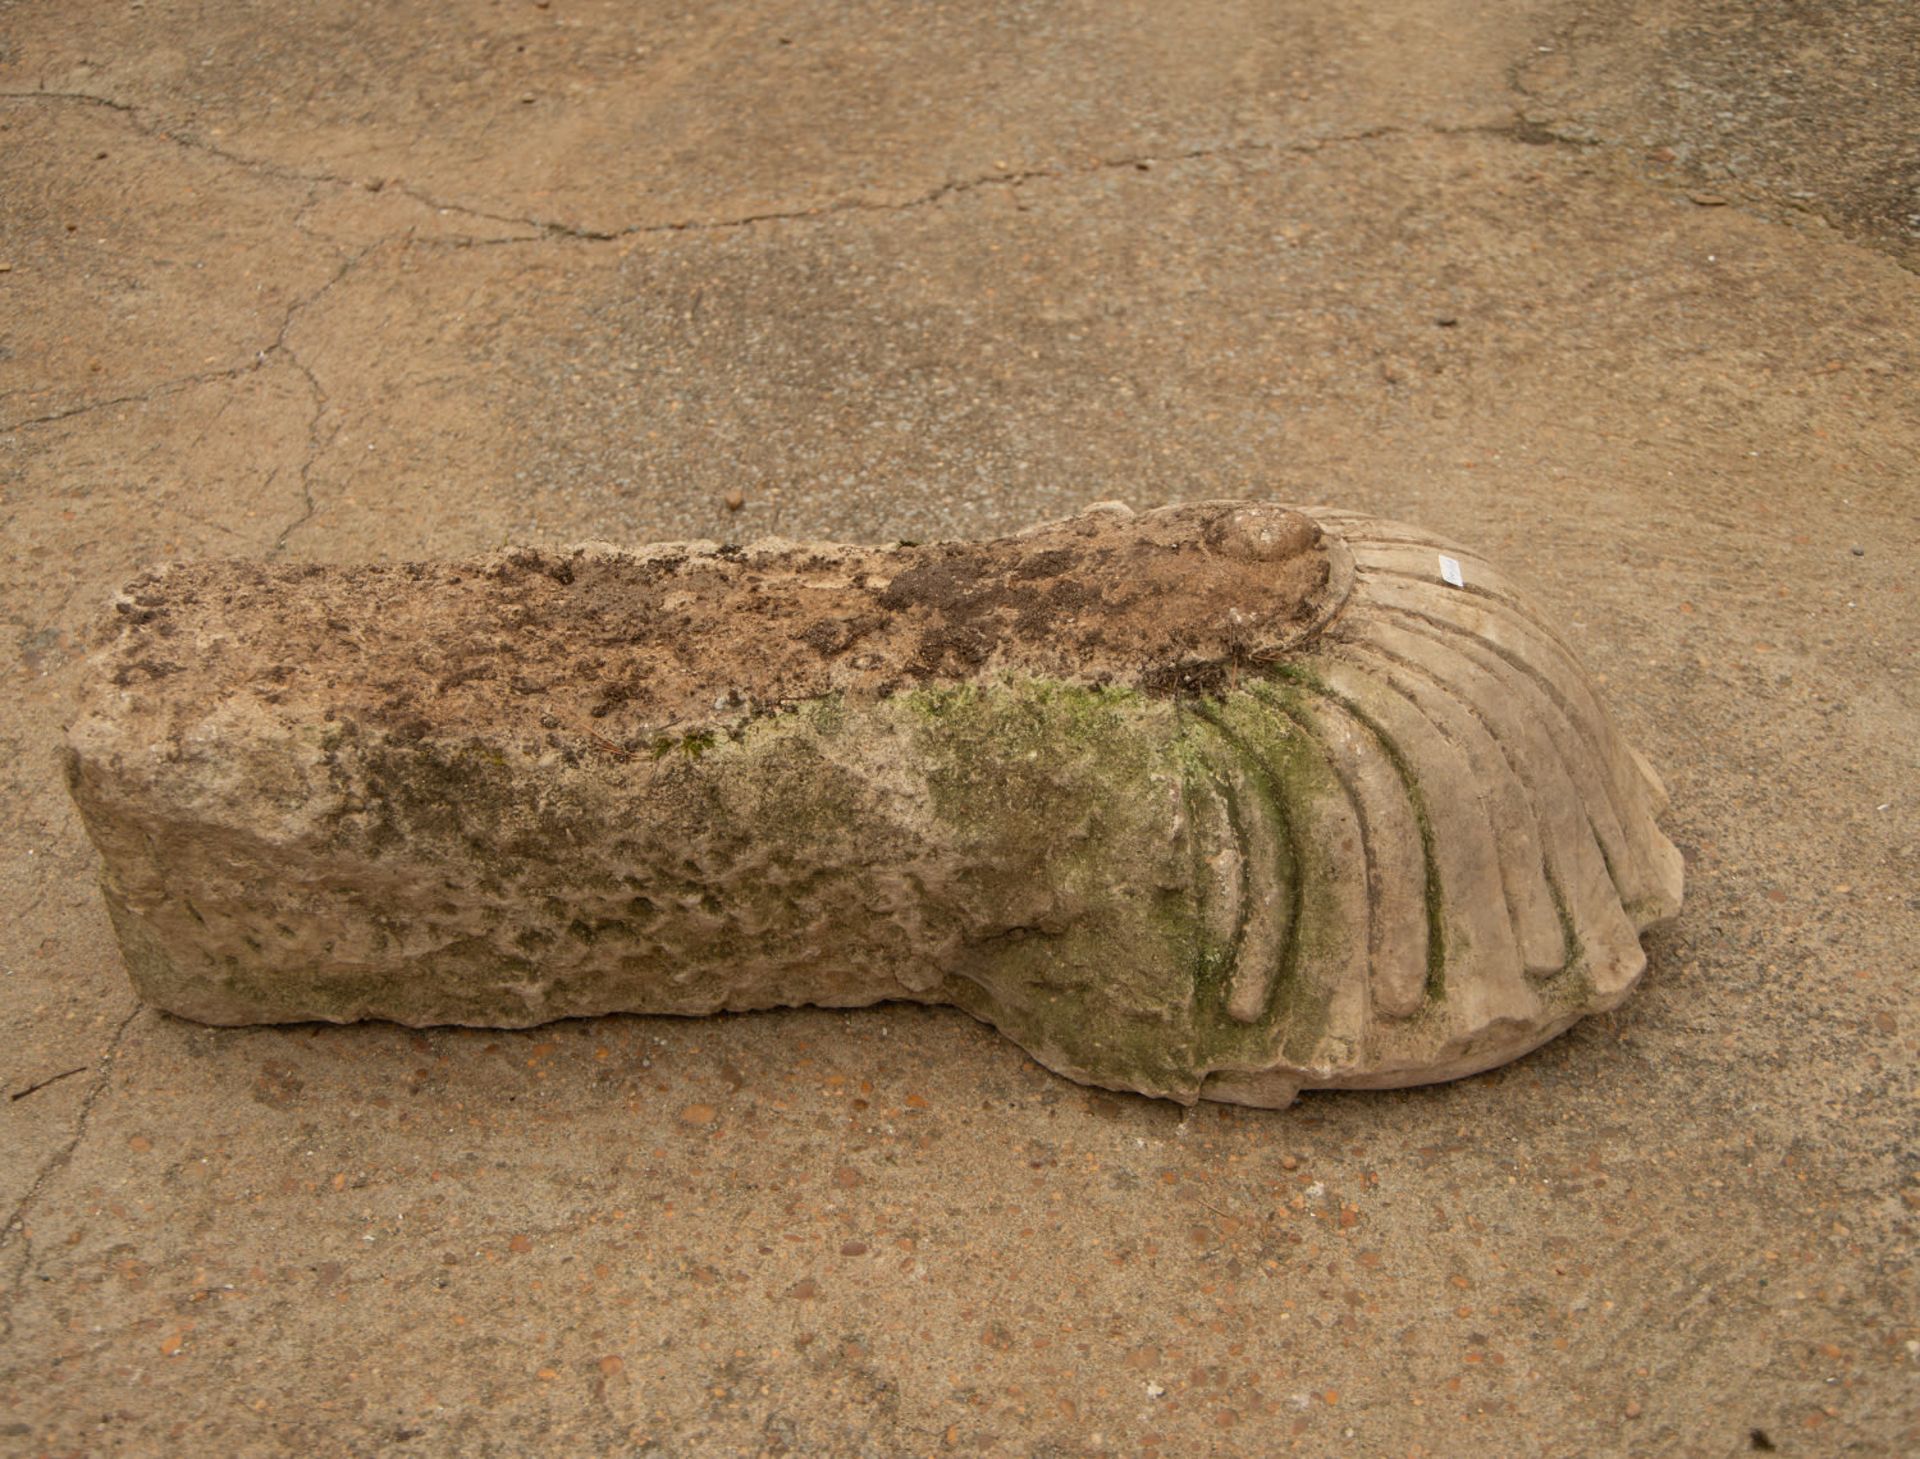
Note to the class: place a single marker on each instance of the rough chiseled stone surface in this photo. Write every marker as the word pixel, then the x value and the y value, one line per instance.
pixel 1220 800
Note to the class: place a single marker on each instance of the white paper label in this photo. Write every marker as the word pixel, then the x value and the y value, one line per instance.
pixel 1450 571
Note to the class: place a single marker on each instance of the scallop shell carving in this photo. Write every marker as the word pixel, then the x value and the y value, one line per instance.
pixel 1223 800
pixel 1482 879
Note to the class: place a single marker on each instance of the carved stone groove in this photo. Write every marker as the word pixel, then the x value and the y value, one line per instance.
pixel 1223 800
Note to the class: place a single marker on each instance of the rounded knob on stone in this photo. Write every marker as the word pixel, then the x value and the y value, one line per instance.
pixel 1260 533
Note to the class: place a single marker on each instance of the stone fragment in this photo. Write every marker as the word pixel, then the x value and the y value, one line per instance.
pixel 1222 800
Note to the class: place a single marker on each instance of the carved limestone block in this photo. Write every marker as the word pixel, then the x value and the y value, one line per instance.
pixel 1221 800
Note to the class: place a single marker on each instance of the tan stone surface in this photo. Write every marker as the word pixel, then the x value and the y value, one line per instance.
pixel 1686 1220
pixel 1210 801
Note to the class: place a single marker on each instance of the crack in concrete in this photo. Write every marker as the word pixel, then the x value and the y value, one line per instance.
pixel 15 1230
pixel 278 346
pixel 315 445
pixel 165 387
pixel 47 1083
pixel 139 120
pixel 1011 177
pixel 1522 129
pixel 547 230
pixel 1518 130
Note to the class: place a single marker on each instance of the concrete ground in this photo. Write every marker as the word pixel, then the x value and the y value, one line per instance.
pixel 1622 292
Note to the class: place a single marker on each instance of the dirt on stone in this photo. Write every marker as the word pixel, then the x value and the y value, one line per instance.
pixel 679 637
